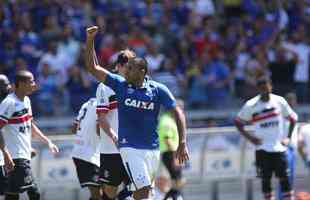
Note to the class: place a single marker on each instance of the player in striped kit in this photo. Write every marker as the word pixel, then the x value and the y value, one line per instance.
pixel 5 88
pixel 268 113
pixel 86 154
pixel 17 128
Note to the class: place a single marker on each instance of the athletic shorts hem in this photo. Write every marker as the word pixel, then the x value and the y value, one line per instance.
pixel 88 173
pixel 88 184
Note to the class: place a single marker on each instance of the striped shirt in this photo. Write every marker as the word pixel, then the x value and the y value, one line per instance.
pixel 107 104
pixel 269 120
pixel 15 121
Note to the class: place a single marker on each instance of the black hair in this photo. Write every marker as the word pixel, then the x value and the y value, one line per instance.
pixel 122 59
pixel 263 80
pixel 22 76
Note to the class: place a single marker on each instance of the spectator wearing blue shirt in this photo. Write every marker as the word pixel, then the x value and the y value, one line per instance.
pixel 139 103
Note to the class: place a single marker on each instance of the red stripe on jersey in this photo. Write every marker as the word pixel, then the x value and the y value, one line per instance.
pixel 240 121
pixel 292 119
pixel 3 123
pixel 113 105
pixel 263 117
pixel 19 120
pixel 102 110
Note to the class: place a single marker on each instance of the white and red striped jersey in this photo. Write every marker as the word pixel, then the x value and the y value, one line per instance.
pixel 87 142
pixel 107 103
pixel 268 119
pixel 15 121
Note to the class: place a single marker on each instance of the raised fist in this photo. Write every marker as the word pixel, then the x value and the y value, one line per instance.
pixel 92 31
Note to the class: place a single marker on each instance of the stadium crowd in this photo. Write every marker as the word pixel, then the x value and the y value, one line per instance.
pixel 207 52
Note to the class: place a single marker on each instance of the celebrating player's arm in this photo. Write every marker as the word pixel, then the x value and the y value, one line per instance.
pixel 182 151
pixel 36 133
pixel 169 103
pixel 92 65
pixel 244 117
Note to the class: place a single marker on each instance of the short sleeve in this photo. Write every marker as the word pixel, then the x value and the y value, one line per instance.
pixel 115 82
pixel 6 111
pixel 82 112
pixel 287 111
pixel 102 99
pixel 245 114
pixel 166 97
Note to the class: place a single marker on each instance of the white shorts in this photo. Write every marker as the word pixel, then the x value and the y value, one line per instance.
pixel 141 166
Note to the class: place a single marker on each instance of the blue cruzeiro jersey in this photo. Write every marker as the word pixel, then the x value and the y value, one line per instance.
pixel 138 110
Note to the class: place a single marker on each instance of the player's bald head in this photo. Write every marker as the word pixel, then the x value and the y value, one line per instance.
pixel 5 86
pixel 4 80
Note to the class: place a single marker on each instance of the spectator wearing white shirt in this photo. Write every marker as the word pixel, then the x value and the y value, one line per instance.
pixel 301 75
pixel 154 57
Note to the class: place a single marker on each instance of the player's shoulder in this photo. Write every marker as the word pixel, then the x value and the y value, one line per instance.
pixel 27 99
pixel 9 100
pixel 91 102
pixel 117 76
pixel 105 88
pixel 156 85
pixel 252 102
pixel 278 98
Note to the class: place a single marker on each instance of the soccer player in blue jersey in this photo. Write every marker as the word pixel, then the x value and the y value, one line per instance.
pixel 139 102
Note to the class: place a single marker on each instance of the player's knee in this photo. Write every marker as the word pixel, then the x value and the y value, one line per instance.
pixel 266 185
pixel 143 193
pixel 285 185
pixel 11 196
pixel 105 196
pixel 95 193
pixel 110 191
pixel 269 196
pixel 34 194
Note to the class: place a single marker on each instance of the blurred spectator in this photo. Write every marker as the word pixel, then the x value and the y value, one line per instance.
pixel 168 75
pixel 79 87
pixel 242 58
pixel 154 58
pixel 282 70
pixel 48 89
pixel 216 78
pixel 56 61
pixel 300 46
pixel 211 44
pixel 68 47
pixel 137 40
pixel 51 29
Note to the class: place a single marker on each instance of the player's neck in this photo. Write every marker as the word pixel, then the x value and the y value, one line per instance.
pixel 20 94
pixel 138 84
pixel 265 97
